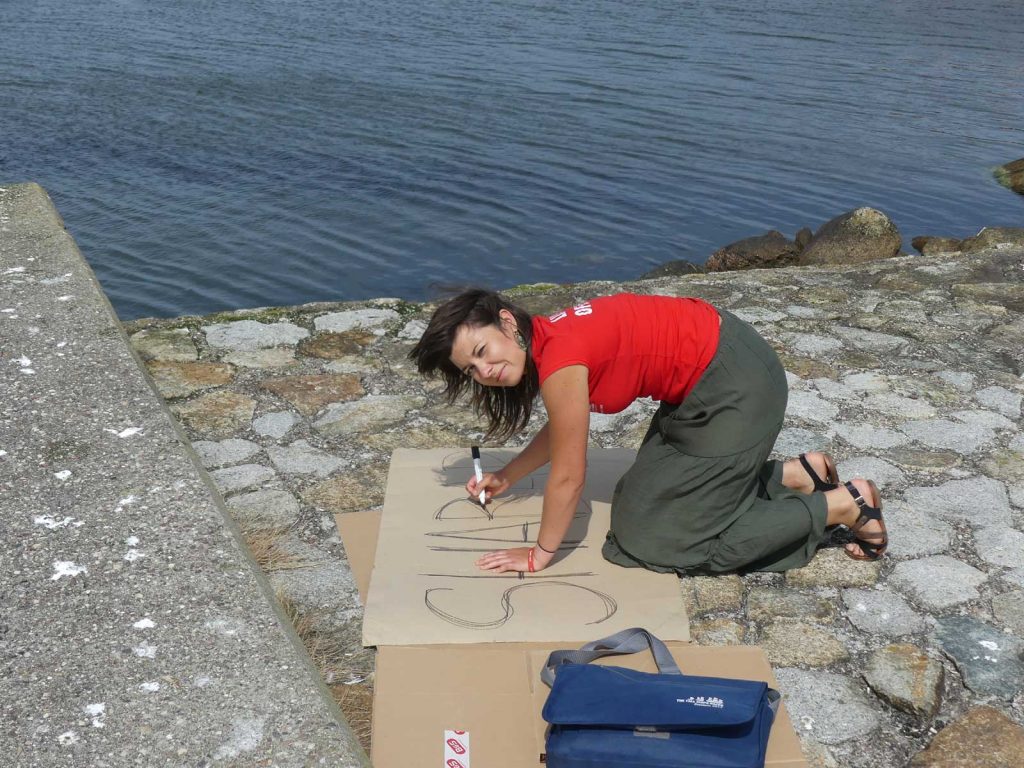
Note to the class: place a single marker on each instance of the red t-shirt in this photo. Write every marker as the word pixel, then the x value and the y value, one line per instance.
pixel 633 346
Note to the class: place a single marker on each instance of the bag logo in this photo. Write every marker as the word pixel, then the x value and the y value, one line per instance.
pixel 703 701
pixel 456 747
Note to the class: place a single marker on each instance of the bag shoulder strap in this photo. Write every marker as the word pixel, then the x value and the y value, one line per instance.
pixel 627 641
pixel 774 700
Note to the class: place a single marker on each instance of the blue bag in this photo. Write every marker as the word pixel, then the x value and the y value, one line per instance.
pixel 603 716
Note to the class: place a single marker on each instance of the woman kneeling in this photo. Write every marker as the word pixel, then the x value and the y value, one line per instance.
pixel 702 496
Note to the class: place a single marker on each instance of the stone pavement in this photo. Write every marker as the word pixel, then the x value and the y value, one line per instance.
pixel 135 630
pixel 908 370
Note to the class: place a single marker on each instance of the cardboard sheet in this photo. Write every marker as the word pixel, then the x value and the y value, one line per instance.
pixel 494 694
pixel 426 589
pixel 358 531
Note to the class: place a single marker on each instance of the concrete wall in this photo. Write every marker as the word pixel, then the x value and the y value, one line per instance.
pixel 134 628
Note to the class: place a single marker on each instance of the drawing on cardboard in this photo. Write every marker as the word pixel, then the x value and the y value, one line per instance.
pixel 607 604
pixel 426 589
pixel 463 508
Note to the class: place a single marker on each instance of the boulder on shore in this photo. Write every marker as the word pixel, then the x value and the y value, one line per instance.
pixel 673 268
pixel 1011 175
pixel 860 235
pixel 771 249
pixel 992 236
pixel 927 245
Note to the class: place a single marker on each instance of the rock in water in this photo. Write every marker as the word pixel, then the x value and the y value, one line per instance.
pixel 861 235
pixel 927 245
pixel 1011 175
pixel 673 268
pixel 771 249
pixel 993 236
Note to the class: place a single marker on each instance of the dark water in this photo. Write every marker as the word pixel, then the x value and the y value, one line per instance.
pixel 212 154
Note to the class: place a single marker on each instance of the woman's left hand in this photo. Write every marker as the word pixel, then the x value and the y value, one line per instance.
pixel 517 559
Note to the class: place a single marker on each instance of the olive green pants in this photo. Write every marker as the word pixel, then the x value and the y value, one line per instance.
pixel 702 496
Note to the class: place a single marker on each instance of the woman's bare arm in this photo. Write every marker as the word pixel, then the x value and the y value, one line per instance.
pixel 567 401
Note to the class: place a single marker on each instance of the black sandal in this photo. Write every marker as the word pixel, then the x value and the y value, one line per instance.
pixel 873 545
pixel 831 481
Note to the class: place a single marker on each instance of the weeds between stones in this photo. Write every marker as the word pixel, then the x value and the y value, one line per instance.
pixel 355 699
pixel 265 546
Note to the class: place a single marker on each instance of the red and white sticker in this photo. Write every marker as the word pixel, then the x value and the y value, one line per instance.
pixel 456 749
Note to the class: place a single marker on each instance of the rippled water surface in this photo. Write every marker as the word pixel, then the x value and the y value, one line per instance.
pixel 211 154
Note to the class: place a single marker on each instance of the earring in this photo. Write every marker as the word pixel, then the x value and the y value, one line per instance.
pixel 520 340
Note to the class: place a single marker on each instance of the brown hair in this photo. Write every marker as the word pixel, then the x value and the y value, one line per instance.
pixel 507 409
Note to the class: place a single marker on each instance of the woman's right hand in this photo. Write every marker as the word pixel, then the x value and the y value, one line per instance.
pixel 492 483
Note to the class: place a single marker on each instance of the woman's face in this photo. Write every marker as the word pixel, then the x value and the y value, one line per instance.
pixel 490 354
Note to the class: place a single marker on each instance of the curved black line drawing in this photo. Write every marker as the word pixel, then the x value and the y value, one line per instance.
pixel 521 537
pixel 607 601
pixel 510 575
pixel 473 510
pixel 561 547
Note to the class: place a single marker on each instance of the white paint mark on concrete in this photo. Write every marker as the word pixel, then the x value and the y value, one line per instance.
pixel 246 735
pixel 145 651
pixel 144 624
pixel 10 311
pixel 64 474
pixel 132 541
pixel 989 645
pixel 27 371
pixel 67 297
pixel 97 712
pixel 230 626
pixel 55 280
pixel 61 344
pixel 23 361
pixel 152 687
pixel 53 523
pixel 14 270
pixel 66 568
pixel 133 554
pixel 67 739
pixel 126 501
pixel 202 681
pixel 2 454
pixel 124 432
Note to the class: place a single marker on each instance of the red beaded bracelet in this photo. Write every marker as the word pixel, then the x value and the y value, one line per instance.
pixel 529 560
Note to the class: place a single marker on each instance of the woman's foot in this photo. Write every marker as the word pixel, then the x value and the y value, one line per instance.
pixel 858 506
pixel 811 471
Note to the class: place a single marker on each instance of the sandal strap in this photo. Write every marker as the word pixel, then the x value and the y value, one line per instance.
pixel 819 484
pixel 871 550
pixel 856 494
pixel 872 544
pixel 867 512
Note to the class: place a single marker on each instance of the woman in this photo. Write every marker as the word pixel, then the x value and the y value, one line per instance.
pixel 702 496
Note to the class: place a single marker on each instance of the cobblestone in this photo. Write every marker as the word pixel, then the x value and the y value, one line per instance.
pixel 880 378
